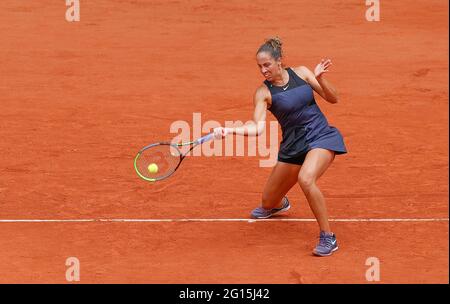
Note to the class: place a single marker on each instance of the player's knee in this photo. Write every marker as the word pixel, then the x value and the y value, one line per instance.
pixel 306 180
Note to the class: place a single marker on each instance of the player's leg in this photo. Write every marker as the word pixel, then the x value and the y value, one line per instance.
pixel 280 181
pixel 316 163
pixel 282 178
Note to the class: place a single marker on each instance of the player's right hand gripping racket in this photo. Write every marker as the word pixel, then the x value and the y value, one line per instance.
pixel 160 160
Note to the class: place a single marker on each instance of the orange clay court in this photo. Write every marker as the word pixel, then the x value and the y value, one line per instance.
pixel 79 99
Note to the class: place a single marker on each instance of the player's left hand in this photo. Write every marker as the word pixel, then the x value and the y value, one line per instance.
pixel 322 67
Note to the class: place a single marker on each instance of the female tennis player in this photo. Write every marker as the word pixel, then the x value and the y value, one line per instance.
pixel 309 144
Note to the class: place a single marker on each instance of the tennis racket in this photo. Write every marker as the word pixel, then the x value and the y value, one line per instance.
pixel 160 160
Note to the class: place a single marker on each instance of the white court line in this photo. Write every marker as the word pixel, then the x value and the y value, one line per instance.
pixel 220 220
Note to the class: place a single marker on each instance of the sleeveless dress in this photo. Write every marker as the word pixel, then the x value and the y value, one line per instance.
pixel 303 125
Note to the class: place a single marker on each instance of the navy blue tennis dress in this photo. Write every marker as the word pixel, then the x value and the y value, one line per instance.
pixel 303 124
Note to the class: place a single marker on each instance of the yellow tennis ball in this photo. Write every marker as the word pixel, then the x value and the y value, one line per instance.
pixel 153 168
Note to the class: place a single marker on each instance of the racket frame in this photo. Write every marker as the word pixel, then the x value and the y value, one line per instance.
pixel 194 143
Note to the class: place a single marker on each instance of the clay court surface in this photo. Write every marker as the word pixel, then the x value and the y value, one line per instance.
pixel 78 100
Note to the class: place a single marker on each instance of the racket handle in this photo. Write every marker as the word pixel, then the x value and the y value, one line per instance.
pixel 205 138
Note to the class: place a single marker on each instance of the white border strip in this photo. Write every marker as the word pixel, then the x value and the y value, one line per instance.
pixel 220 220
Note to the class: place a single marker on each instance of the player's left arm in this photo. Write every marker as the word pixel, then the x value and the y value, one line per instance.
pixel 317 81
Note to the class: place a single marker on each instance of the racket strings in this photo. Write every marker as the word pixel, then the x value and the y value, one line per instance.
pixel 165 157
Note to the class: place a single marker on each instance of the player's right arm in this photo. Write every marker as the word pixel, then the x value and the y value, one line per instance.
pixel 256 126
